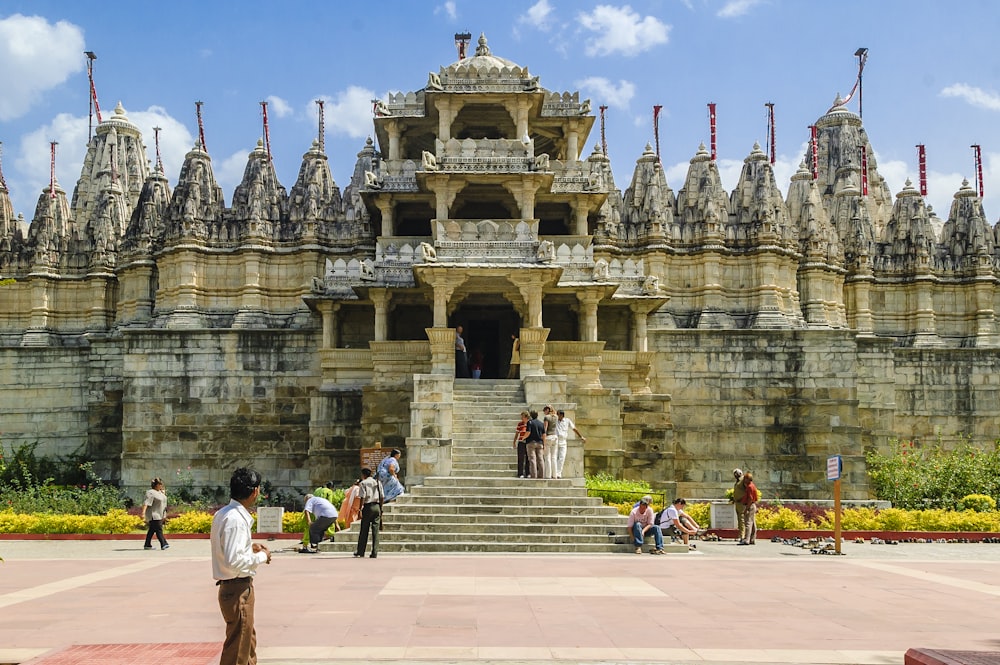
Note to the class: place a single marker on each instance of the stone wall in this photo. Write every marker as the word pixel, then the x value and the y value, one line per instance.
pixel 776 403
pixel 44 398
pixel 213 400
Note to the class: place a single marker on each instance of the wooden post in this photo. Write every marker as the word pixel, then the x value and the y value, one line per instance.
pixel 836 515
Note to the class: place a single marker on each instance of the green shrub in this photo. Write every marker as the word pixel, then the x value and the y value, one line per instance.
pixel 915 476
pixel 979 503
pixel 614 491
pixel 700 513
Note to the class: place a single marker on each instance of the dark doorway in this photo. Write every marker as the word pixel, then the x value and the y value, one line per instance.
pixel 483 337
pixel 488 328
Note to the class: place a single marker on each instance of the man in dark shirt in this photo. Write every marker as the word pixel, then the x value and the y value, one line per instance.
pixel 535 445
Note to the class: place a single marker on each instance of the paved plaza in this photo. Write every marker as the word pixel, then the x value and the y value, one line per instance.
pixel 722 604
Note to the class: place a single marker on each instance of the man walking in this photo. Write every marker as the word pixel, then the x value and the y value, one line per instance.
pixel 370 497
pixel 235 558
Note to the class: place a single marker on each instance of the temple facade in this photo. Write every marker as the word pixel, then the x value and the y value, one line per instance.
pixel 153 328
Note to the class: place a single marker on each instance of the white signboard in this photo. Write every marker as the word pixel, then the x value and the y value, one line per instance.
pixel 723 516
pixel 833 468
pixel 269 519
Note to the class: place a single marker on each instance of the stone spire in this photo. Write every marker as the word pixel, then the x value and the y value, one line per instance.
pixel 115 154
pixel 818 240
pixel 908 241
pixel 259 200
pixel 966 233
pixel 648 202
pixel 840 136
pixel 147 226
pixel 9 231
pixel 702 205
pixel 761 217
pixel 52 234
pixel 315 198
pixel 368 162
pixel 197 204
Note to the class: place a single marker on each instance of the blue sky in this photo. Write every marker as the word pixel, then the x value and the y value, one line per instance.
pixel 933 77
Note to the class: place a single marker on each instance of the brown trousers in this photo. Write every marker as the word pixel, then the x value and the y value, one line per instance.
pixel 236 600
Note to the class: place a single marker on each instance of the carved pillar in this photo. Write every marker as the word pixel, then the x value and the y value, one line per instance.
pixel 518 110
pixel 573 141
pixel 442 350
pixel 445 190
pixel 394 129
pixel 328 310
pixel 445 118
pixel 859 287
pixel 524 193
pixel 588 315
pixel 533 351
pixel 639 314
pixel 384 205
pixel 580 211
pixel 380 299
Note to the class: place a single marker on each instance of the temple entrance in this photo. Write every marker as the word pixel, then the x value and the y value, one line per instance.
pixel 488 328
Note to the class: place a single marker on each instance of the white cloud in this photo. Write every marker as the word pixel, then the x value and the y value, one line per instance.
pixel 175 139
pixel 32 160
pixel 229 171
pixel 448 9
pixel 279 107
pixel 621 30
pixel 607 92
pixel 37 56
pixel 349 113
pixel 735 8
pixel 538 16
pixel 973 96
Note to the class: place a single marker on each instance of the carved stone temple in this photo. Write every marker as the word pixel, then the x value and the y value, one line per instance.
pixel 686 331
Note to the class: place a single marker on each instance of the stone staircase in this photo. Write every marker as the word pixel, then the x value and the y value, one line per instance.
pixel 483 506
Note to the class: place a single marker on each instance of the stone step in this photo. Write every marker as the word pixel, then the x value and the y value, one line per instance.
pixel 467 493
pixel 513 511
pixel 490 500
pixel 607 522
pixel 388 545
pixel 477 482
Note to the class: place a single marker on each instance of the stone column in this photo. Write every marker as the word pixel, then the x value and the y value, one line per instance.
pixel 380 299
pixel 524 193
pixel 328 310
pixel 580 212
pixel 443 105
pixel 445 190
pixel 640 314
pixel 573 141
pixel 394 129
pixel 442 350
pixel 588 315
pixel 385 207
pixel 533 351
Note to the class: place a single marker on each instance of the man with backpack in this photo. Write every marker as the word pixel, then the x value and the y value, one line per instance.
pixel 674 521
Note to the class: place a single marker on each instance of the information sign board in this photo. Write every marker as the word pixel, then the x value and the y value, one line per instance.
pixel 833 467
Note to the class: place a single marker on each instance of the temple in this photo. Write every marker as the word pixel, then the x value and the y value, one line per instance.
pixel 152 328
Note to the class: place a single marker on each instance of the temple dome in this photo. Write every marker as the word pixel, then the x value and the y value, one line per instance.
pixel 482 60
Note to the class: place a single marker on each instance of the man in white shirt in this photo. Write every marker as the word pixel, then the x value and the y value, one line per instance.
pixel 320 514
pixel 235 558
pixel 563 427
pixel 674 521
pixel 370 498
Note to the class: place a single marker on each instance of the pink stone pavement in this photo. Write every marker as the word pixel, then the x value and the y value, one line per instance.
pixel 723 604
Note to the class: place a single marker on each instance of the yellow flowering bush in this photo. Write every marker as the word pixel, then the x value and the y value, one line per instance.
pixel 194 521
pixel 115 521
pixel 781 519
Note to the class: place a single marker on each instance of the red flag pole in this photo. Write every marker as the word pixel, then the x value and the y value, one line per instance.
pixel 711 123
